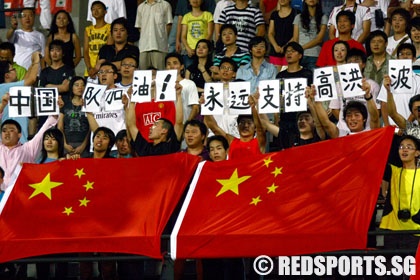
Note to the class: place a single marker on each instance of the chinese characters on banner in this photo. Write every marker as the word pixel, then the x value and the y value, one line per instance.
pixel 325 84
pixel 142 86
pixel 92 97
pixel 401 73
pixel 165 85
pixel 46 101
pixel 269 101
pixel 21 103
pixel 213 99
pixel 350 80
pixel 294 95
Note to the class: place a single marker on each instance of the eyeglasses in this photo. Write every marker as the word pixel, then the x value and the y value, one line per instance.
pixel 291 51
pixel 100 72
pixel 407 147
pixel 226 68
pixel 128 65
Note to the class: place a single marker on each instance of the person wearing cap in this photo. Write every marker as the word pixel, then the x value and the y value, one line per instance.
pixel 252 134
pixel 294 55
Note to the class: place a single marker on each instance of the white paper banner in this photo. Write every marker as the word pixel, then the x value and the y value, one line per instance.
pixel 325 84
pixel 113 99
pixel 165 85
pixel 401 73
pixel 350 79
pixel 142 85
pixel 20 102
pixel 238 98
pixel 213 99
pixel 46 101
pixel 269 101
pixel 294 95
pixel 92 97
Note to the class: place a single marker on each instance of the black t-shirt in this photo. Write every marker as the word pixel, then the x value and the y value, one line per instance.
pixel 56 77
pixel 144 148
pixel 109 53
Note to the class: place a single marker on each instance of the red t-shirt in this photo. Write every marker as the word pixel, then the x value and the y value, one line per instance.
pixel 243 150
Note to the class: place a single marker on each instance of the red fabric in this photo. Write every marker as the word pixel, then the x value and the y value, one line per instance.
pixel 417 275
pixel 244 150
pixel 11 4
pixel 324 200
pixel 57 5
pixel 149 112
pixel 326 57
pixel 130 204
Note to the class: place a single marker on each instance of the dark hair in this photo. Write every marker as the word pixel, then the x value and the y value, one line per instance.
pixel 176 55
pixel 412 138
pixel 121 134
pixel 8 46
pixel 340 42
pixel 209 60
pixel 241 117
pixel 353 52
pixel 415 98
pixel 405 46
pixel 1 173
pixel 405 14
pixel 122 21
pixel 108 132
pixel 136 59
pixel 32 9
pixel 56 43
pixel 167 124
pixel 201 126
pixel 373 34
pixel 57 135
pixel 73 80
pixel 307 112
pixel 294 45
pixel 4 69
pixel 230 61
pixel 98 3
pixel 12 122
pixel 359 107
pixel 69 27
pixel 415 22
pixel 305 17
pixel 114 68
pixel 220 138
pixel 350 16
pixel 229 26
pixel 255 41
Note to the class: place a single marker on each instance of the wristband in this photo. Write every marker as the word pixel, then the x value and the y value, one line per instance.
pixel 369 98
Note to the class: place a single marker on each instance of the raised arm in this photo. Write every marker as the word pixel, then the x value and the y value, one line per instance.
pixel 258 125
pixel 390 104
pixel 371 106
pixel 318 127
pixel 179 116
pixel 32 73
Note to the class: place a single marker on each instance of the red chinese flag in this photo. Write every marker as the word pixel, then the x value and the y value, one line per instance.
pixel 93 205
pixel 417 275
pixel 303 200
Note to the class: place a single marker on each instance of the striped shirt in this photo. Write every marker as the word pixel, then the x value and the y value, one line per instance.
pixel 246 22
pixel 240 57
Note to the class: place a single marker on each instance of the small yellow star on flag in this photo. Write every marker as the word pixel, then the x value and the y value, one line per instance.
pixel 44 187
pixel 88 185
pixel 232 184
pixel 84 202
pixel 68 211
pixel 267 162
pixel 255 200
pixel 79 173
pixel 272 188
pixel 277 171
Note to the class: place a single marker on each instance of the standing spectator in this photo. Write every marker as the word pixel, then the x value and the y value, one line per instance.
pixel 345 24
pixel 7 53
pixel 199 72
pixel 378 9
pixel 280 31
pixel 114 9
pixel 377 63
pixel 400 24
pixel 131 10
pixel 228 35
pixel 58 74
pixel 415 37
pixel 154 21
pixel 309 30
pixel 362 22
pixel 26 40
pixel 196 25
pixel 45 16
pixel 62 28
pixel 267 7
pixel 73 122
pixel 258 69
pixel 247 19
pixel 120 49
pixel 96 35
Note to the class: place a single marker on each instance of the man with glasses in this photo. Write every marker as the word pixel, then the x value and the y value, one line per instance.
pixel 26 39
pixel 8 79
pixel 128 66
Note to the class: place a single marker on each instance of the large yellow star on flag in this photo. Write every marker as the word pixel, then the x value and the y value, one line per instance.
pixel 79 173
pixel 232 184
pixel 44 187
pixel 277 171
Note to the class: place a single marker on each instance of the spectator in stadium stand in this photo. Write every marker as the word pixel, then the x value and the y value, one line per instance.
pixel 345 24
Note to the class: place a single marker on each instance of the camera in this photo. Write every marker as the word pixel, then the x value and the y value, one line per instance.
pixel 404 214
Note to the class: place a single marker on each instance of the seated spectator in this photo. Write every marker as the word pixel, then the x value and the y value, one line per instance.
pixel 123 144
pixel 400 24
pixel 195 133
pixel 7 53
pixel 199 71
pixel 228 35
pixel 218 148
pixel 73 122
pixel 53 146
pixel 103 141
pixel 345 24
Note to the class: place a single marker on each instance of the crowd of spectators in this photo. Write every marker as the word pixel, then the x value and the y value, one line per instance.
pixel 216 41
